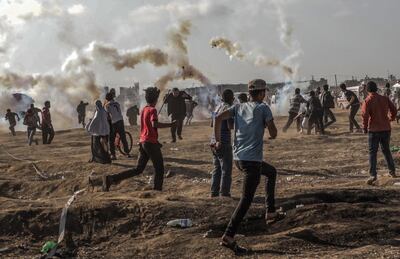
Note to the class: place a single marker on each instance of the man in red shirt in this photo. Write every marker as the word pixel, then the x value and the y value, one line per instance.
pixel 376 122
pixel 149 147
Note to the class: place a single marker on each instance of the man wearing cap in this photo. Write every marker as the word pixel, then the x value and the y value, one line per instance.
pixel 250 120
pixel 177 109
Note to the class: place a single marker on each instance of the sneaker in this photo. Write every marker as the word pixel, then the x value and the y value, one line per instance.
pixel 180 137
pixel 392 174
pixel 372 180
pixel 106 183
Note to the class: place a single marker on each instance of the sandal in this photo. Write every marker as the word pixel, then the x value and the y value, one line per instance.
pixel 238 250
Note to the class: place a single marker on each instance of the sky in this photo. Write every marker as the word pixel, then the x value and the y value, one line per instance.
pixel 343 37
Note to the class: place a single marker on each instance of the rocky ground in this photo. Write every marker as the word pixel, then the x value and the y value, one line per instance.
pixel 342 217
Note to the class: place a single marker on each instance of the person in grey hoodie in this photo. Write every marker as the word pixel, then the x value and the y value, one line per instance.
pixel 117 123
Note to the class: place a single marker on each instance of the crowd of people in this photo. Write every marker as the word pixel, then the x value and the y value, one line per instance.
pixel 248 119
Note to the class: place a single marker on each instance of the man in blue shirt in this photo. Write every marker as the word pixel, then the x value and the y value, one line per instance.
pixel 222 174
pixel 250 120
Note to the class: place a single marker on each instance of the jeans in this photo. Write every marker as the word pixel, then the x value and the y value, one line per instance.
pixel 177 128
pixel 293 115
pixel 147 151
pixel 374 139
pixel 118 127
pixel 328 114
pixel 222 174
pixel 12 128
pixel 252 171
pixel 353 112
pixel 316 117
pixel 31 133
pixel 47 133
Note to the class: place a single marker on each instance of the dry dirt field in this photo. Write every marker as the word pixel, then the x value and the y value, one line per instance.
pixel 342 217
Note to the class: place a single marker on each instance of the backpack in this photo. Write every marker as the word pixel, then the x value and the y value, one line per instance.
pixel 329 102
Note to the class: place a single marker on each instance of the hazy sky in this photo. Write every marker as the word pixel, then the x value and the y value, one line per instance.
pixel 344 37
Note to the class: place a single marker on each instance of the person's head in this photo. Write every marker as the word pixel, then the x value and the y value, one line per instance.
pixel 81 102
pixel 242 98
pixel 151 95
pixel 312 94
pixel 343 87
pixel 257 88
pixel 372 87
pixel 326 87
pixel 109 96
pixel 318 89
pixel 8 110
pixel 47 104
pixel 112 92
pixel 387 85
pixel 175 92
pixel 297 91
pixel 32 105
pixel 227 96
pixel 99 105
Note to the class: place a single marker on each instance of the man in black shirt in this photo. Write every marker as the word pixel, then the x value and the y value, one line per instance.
pixel 177 110
pixel 10 116
pixel 316 114
pixel 354 106
pixel 328 103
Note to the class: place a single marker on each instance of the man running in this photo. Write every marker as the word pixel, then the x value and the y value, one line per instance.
pixel 177 110
pixel 250 119
pixel 31 121
pixel 47 126
pixel 376 123
pixel 295 103
pixel 354 106
pixel 190 105
pixel 328 103
pixel 81 109
pixel 10 116
pixel 149 147
pixel 36 112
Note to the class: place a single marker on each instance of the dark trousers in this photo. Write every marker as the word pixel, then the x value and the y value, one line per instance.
pixel 146 151
pixel 374 140
pixel 177 128
pixel 353 112
pixel 328 114
pixel 221 179
pixel 47 133
pixel 31 133
pixel 119 128
pixel 252 172
pixel 292 115
pixel 81 119
pixel 316 117
pixel 12 129
pixel 133 120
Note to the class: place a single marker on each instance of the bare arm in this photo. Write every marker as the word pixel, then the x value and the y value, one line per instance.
pixel 273 132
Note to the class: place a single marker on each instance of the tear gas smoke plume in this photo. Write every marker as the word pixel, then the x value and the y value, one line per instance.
pixel 178 57
pixel 232 49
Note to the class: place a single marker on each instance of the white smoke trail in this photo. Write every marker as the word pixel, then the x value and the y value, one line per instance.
pixel 232 49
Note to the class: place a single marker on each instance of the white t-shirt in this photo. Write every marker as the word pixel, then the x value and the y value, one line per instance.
pixel 114 109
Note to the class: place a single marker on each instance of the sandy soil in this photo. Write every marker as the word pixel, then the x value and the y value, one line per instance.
pixel 342 217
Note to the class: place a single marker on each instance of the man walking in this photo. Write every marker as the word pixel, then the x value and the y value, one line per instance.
pixel 222 174
pixel 81 109
pixel 354 106
pixel 117 123
pixel 47 126
pixel 376 124
pixel 10 116
pixel 250 119
pixel 328 103
pixel 294 109
pixel 132 114
pixel 177 110
pixel 316 114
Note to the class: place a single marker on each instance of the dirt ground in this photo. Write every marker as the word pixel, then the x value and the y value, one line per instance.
pixel 342 217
